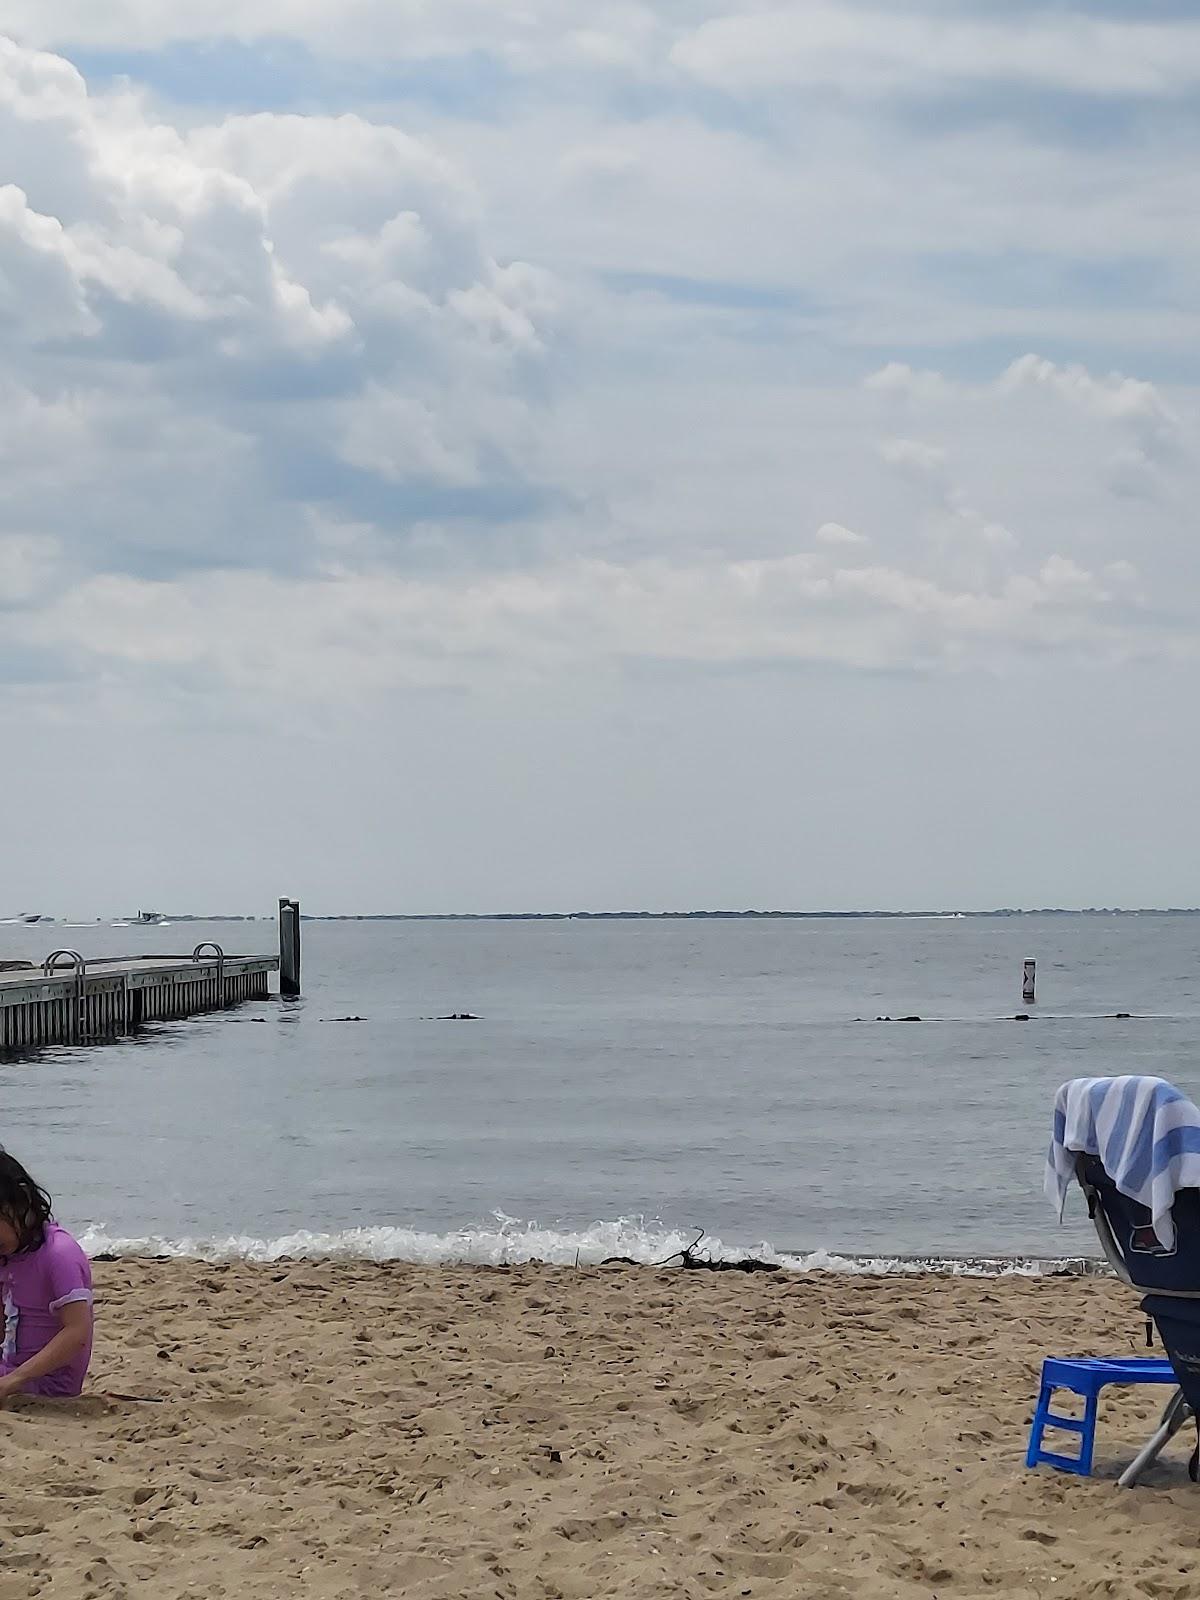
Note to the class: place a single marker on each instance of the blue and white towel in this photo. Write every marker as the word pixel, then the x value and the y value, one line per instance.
pixel 1145 1132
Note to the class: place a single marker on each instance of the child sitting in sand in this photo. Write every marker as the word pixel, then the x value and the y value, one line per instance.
pixel 46 1282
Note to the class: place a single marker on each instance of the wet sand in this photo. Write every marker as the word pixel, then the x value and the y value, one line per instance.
pixel 528 1433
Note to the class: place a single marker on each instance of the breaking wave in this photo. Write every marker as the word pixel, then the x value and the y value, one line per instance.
pixel 506 1241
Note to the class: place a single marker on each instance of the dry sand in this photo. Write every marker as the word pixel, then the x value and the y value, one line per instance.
pixel 332 1430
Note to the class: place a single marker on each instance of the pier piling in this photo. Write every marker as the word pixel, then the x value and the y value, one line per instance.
pixel 289 947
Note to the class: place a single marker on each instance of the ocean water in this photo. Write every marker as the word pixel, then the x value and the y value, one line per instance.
pixel 626 1082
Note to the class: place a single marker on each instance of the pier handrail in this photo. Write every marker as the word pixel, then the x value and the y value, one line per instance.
pixel 50 964
pixel 211 944
pixel 79 973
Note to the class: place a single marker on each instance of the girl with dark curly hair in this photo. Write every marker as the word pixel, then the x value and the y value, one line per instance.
pixel 46 1288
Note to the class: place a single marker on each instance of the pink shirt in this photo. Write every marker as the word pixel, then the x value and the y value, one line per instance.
pixel 35 1287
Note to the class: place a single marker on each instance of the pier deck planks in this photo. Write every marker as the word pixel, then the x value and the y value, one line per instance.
pixel 114 997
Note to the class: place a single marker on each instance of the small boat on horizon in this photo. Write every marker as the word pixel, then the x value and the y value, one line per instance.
pixel 144 919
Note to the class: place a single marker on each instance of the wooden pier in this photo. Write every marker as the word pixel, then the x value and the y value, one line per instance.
pixel 68 1000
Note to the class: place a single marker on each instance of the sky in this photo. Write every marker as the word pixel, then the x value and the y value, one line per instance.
pixel 467 455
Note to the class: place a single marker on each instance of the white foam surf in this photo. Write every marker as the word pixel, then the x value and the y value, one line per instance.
pixel 506 1241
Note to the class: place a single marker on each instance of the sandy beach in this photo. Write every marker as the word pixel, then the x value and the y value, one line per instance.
pixel 534 1432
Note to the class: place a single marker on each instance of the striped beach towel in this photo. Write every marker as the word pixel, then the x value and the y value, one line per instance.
pixel 1145 1133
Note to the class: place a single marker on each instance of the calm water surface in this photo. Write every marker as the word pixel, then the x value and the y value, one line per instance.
pixel 729 1075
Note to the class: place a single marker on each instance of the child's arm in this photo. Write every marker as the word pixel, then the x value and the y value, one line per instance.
pixel 76 1319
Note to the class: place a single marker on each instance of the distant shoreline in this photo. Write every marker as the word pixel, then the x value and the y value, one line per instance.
pixel 727 916
pixel 667 916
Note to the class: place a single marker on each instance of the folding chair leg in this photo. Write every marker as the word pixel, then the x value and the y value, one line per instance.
pixel 1173 1418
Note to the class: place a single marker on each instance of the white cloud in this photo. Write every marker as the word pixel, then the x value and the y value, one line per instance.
pixel 739 45
pixel 1114 397
pixel 328 641
pixel 28 565
pixel 525 34
pixel 264 308
pixel 898 378
pixel 603 169
pixel 1141 420
pixel 869 50
pixel 41 297
pixel 296 333
pixel 913 457
pixel 835 533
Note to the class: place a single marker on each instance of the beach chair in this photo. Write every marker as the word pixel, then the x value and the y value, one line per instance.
pixel 1169 1281
pixel 1158 1256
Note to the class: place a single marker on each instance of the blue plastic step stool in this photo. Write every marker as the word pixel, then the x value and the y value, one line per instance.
pixel 1085 1377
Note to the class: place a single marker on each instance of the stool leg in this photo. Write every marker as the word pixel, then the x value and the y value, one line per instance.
pixel 1038 1427
pixel 1088 1441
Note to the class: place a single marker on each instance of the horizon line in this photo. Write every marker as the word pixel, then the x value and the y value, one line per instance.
pixel 749 913
pixel 629 914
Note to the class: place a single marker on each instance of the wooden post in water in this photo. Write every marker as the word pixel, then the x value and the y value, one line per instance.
pixel 289 947
pixel 1029 982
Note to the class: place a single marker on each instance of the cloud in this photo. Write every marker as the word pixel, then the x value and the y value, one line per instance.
pixel 913 458
pixel 525 34
pixel 738 46
pixel 28 564
pixel 1135 411
pixel 1114 397
pixel 290 403
pixel 327 642
pixel 834 533
pixel 872 50
pixel 390 633
pixel 1143 429
pixel 603 170
pixel 1111 397
pixel 239 315
pixel 898 378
